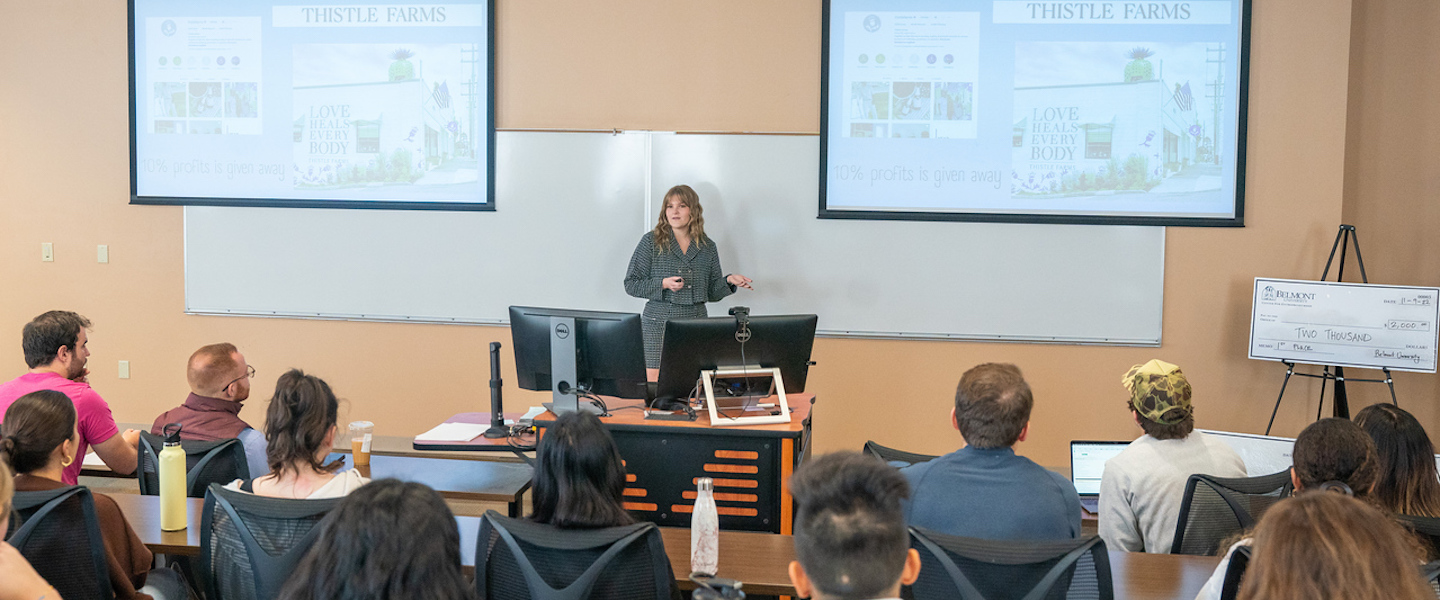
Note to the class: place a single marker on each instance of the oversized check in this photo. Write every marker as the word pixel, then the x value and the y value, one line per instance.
pixel 1345 324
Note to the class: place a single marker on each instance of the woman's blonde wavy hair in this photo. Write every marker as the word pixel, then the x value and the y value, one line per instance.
pixel 691 199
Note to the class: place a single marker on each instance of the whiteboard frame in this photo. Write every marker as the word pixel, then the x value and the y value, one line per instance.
pixel 202 269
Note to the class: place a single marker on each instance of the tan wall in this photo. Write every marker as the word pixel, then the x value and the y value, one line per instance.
pixel 749 65
pixel 1392 175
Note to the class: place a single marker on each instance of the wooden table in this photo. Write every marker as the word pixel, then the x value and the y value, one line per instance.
pixel 474 480
pixel 760 560
pixel 481 443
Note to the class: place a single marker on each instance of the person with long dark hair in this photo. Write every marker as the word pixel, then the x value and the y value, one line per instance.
pixel 385 541
pixel 676 267
pixel 579 476
pixel 1408 483
pixel 38 440
pixel 300 426
pixel 1330 456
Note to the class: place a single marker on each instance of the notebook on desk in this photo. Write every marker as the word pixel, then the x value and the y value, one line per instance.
pixel 1087 463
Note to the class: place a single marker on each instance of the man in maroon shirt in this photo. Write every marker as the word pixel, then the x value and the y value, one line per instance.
pixel 219 382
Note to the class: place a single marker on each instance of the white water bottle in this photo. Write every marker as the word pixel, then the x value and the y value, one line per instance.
pixel 705 531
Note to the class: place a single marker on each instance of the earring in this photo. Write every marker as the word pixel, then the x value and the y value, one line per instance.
pixel 66 460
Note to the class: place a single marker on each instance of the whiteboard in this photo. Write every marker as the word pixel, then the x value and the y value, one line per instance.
pixel 1345 324
pixel 572 206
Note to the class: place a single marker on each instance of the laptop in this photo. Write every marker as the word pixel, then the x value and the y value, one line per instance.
pixel 1087 463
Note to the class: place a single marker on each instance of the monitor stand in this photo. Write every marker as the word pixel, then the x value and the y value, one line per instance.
pixel 562 369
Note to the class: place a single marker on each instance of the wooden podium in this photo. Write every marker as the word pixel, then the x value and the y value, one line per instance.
pixel 751 465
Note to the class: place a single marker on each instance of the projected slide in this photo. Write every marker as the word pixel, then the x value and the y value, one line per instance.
pixel 1084 112
pixel 312 105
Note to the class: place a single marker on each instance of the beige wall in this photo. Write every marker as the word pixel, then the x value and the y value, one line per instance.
pixel 1392 161
pixel 747 65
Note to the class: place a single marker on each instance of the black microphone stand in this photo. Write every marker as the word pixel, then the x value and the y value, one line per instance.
pixel 497 417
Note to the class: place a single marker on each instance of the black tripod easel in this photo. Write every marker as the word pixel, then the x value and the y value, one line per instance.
pixel 1341 407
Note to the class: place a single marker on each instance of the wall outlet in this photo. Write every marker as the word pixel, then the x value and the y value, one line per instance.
pixel 47 252
pixel 102 253
pixel 124 369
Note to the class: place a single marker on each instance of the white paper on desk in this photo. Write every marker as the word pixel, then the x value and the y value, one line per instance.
pixel 454 432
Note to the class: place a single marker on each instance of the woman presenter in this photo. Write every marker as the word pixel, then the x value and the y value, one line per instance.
pixel 677 268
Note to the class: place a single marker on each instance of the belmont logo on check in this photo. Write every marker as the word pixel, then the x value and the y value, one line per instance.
pixel 1272 294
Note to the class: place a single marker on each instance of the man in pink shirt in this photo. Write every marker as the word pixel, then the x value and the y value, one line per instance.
pixel 55 352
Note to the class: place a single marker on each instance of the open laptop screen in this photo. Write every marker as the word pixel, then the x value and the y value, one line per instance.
pixel 1087 463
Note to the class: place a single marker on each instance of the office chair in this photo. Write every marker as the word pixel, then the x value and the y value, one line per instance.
pixel 59 534
pixel 520 559
pixel 221 462
pixel 1427 530
pixel 893 457
pixel 250 544
pixel 976 569
pixel 1215 508
pixel 1239 560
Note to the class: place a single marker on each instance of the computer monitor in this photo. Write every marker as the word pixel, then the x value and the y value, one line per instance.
pixel 694 345
pixel 566 351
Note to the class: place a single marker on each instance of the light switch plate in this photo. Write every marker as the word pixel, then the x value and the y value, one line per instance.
pixel 124 369
pixel 47 252
pixel 102 253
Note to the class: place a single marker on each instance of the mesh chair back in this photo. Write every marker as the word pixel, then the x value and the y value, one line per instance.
pixel 249 544
pixel 221 461
pixel 58 532
pixel 975 569
pixel 520 560
pixel 1427 530
pixel 1216 508
pixel 1239 561
pixel 895 458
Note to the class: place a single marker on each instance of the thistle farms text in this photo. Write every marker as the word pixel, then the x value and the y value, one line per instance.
pixel 1108 11
pixel 373 14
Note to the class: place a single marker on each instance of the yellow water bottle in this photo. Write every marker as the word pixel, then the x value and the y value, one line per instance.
pixel 172 481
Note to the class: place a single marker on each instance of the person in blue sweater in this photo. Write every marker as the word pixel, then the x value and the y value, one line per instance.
pixel 985 490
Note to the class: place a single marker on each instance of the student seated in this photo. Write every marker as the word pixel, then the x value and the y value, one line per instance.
pixel 1143 486
pixel 56 351
pixel 1004 496
pixel 1320 546
pixel 579 477
pixel 38 440
pixel 387 540
pixel 18 580
pixel 850 536
pixel 1408 483
pixel 1330 455
pixel 300 433
pixel 219 381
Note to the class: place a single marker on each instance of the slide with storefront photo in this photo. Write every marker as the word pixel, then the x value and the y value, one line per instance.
pixel 1114 112
pixel 312 105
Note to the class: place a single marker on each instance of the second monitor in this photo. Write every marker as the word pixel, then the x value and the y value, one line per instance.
pixel 694 345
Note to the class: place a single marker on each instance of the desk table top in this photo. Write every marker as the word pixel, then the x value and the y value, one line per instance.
pixel 760 560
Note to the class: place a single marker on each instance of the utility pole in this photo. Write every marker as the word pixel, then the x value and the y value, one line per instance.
pixel 1215 55
pixel 470 55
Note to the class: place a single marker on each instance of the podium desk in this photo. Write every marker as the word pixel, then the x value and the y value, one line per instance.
pixel 759 560
pixel 750 465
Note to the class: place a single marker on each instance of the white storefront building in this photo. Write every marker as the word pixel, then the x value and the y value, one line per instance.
pixel 1073 138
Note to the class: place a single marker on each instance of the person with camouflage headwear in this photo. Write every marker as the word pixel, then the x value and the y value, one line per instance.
pixel 1143 486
